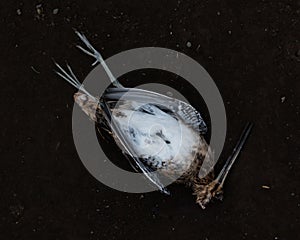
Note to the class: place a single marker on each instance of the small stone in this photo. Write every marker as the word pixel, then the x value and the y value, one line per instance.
pixel 19 12
pixel 218 13
pixel 265 187
pixel 55 11
pixel 282 99
pixel 293 194
pixel 188 44
pixel 229 32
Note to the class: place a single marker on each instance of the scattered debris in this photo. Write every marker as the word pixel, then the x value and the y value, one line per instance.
pixel 57 146
pixel 55 11
pixel 188 44
pixel 265 187
pixel 39 9
pixel 39 12
pixel 16 210
pixel 33 69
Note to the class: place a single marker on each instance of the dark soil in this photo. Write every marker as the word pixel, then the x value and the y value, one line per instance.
pixel 252 51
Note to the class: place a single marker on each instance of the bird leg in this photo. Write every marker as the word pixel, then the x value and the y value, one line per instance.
pixel 205 189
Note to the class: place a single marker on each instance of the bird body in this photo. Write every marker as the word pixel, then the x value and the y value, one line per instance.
pixel 156 131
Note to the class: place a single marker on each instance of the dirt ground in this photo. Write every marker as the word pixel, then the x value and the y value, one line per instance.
pixel 252 51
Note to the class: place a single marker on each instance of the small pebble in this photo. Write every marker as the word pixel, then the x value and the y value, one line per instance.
pixel 282 99
pixel 55 11
pixel 218 13
pixel 188 44
pixel 19 12
pixel 229 32
pixel 265 187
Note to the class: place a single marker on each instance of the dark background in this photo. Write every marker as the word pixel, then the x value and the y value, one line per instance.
pixel 252 51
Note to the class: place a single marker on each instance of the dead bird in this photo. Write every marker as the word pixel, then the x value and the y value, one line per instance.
pixel 175 146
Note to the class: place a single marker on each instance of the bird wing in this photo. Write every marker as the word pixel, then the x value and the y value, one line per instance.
pixel 178 109
pixel 125 146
